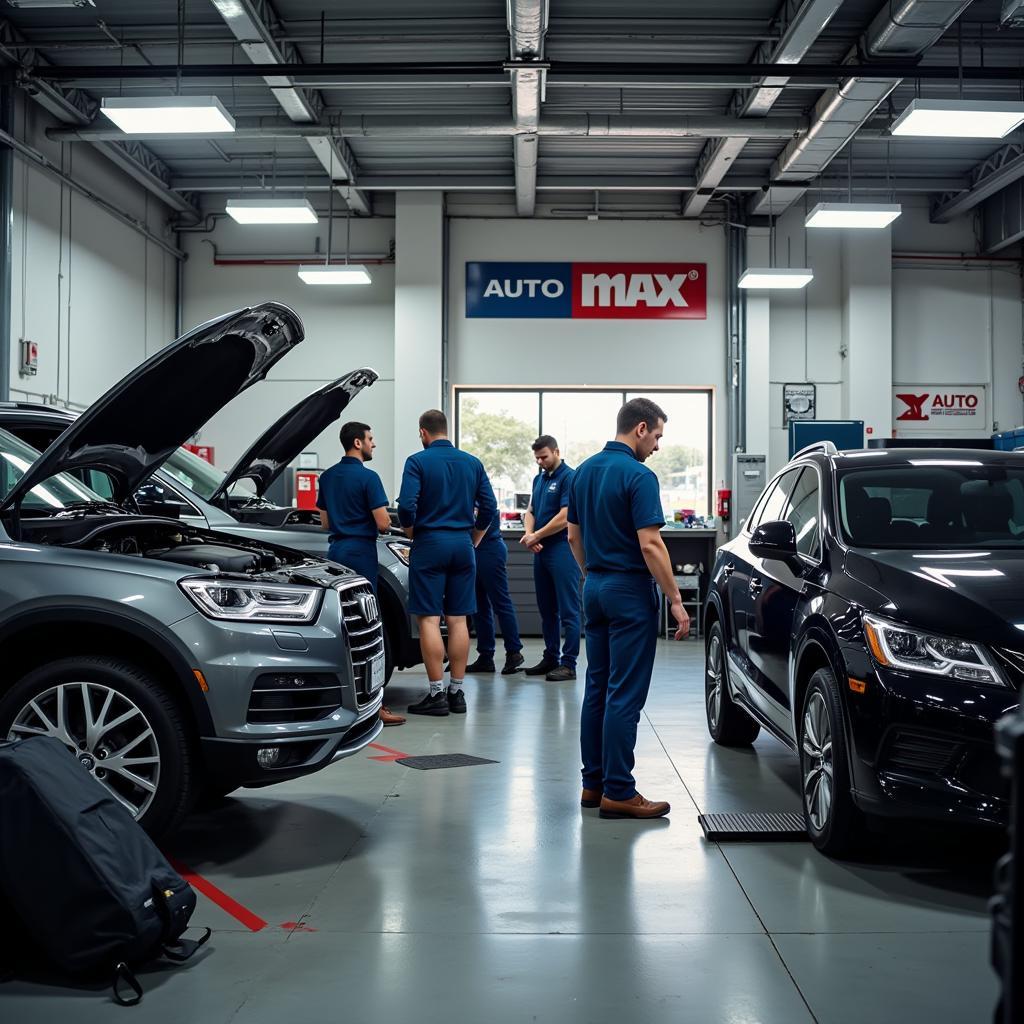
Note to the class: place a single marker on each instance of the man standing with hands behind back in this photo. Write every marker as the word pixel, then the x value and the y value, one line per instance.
pixel 446 506
pixel 556 577
pixel 615 521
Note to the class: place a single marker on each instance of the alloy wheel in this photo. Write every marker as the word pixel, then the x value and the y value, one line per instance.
pixel 713 685
pixel 817 761
pixel 108 733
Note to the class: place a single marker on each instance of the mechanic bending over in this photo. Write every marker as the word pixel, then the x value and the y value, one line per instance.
pixel 556 576
pixel 446 506
pixel 615 521
pixel 353 506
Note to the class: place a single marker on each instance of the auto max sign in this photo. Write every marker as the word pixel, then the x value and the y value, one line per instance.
pixel 587 291
pixel 939 407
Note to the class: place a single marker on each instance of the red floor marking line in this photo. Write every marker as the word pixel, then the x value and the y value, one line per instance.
pixel 241 914
pixel 390 755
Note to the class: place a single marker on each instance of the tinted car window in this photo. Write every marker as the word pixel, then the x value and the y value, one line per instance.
pixel 55 494
pixel 774 506
pixel 803 514
pixel 933 504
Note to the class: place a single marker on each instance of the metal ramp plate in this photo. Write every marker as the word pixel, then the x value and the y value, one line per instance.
pixel 761 827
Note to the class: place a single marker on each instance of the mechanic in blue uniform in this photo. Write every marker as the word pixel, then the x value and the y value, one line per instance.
pixel 556 576
pixel 493 599
pixel 445 505
pixel 353 506
pixel 615 521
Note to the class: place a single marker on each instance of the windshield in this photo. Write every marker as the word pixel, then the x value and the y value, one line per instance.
pixel 59 492
pixel 959 503
pixel 199 476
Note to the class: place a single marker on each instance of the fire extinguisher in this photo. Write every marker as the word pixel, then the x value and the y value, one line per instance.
pixel 723 503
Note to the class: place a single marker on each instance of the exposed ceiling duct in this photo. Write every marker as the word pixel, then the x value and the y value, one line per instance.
pixel 527 27
pixel 899 30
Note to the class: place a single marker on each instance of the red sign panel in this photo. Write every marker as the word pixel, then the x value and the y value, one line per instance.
pixel 639 291
pixel 204 451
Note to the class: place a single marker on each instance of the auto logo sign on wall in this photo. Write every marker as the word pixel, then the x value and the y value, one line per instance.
pixel 587 291
pixel 939 407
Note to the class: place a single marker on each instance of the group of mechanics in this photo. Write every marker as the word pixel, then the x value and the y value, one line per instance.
pixel 602 522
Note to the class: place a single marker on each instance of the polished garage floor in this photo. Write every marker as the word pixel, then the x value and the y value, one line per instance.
pixel 484 894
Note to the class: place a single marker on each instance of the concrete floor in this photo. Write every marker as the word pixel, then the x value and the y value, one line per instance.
pixel 483 894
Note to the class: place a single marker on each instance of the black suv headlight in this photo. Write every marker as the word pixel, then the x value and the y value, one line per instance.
pixel 252 602
pixel 901 647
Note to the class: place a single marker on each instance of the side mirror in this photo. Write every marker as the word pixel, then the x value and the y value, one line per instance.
pixel 774 540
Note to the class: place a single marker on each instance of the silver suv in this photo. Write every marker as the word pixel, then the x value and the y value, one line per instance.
pixel 174 659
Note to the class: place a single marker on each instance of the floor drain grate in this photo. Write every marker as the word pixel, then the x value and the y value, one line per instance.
pixel 765 827
pixel 426 762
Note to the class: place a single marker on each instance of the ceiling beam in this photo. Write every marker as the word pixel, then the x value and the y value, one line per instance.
pixel 1002 218
pixel 993 174
pixel 527 26
pixel 253 22
pixel 800 24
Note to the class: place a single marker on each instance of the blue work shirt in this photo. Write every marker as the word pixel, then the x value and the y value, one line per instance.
pixel 445 489
pixel 613 495
pixel 550 496
pixel 349 492
pixel 494 530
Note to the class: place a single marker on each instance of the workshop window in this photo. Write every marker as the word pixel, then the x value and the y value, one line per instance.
pixel 498 425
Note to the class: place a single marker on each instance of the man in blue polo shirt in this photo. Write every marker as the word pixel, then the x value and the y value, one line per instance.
pixel 353 506
pixel 556 576
pixel 445 505
pixel 615 521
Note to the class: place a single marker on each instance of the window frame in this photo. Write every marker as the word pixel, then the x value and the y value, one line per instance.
pixel 459 389
pixel 810 559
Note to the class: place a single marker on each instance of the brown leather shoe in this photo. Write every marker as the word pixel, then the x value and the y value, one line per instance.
pixel 388 717
pixel 591 798
pixel 638 807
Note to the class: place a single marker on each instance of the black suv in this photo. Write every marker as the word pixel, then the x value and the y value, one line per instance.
pixel 871 616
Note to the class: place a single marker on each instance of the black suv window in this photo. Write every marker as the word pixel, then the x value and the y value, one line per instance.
pixel 774 506
pixel 803 514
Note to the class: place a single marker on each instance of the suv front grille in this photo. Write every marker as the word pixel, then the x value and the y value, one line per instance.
pixel 289 697
pixel 919 754
pixel 365 633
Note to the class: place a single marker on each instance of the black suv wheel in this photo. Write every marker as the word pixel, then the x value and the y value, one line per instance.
pixel 833 821
pixel 728 725
pixel 121 724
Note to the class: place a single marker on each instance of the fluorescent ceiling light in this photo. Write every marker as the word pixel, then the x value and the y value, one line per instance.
pixel 776 277
pixel 340 273
pixel 959 119
pixel 271 211
pixel 51 3
pixel 852 215
pixel 168 115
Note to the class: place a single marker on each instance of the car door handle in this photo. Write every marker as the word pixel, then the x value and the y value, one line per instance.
pixel 756 585
pixel 728 569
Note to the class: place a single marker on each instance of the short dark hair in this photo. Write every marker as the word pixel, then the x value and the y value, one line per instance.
pixel 637 411
pixel 351 432
pixel 434 422
pixel 544 441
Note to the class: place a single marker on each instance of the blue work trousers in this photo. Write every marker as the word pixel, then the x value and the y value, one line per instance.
pixel 358 554
pixel 493 598
pixel 621 614
pixel 556 580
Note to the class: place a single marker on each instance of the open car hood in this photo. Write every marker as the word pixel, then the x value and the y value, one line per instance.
pixel 134 427
pixel 280 444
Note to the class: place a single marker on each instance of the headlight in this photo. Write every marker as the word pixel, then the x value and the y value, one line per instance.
pixel 401 551
pixel 911 650
pixel 252 602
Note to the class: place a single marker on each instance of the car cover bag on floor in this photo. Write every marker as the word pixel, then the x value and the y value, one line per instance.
pixel 93 892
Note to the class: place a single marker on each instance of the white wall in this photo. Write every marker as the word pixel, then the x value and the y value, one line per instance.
pixel 953 321
pixel 95 295
pixel 634 354
pixel 346 327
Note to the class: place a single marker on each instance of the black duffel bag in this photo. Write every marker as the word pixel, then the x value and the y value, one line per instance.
pixel 95 897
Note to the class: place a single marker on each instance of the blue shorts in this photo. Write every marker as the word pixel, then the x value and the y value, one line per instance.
pixel 442 574
pixel 358 554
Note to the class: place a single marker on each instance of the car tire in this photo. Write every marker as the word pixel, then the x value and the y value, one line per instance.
pixel 834 824
pixel 728 724
pixel 154 728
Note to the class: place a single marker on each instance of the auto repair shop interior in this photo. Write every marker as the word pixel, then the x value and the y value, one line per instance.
pixel 228 227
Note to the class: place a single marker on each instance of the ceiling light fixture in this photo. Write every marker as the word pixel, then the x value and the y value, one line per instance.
pixel 776 277
pixel 29 4
pixel 959 119
pixel 852 215
pixel 342 273
pixel 271 211
pixel 168 115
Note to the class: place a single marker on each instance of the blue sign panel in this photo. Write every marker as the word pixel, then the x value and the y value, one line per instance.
pixel 530 290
